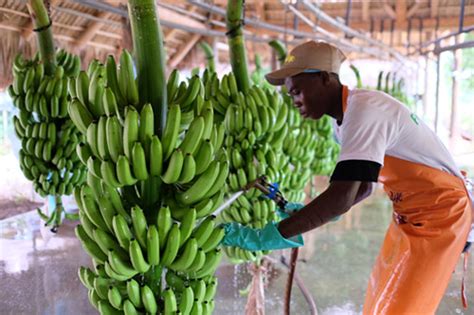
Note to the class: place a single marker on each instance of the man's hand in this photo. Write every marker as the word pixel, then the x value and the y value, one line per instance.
pixel 268 238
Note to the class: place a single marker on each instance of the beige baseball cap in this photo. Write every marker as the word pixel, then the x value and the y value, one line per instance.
pixel 311 55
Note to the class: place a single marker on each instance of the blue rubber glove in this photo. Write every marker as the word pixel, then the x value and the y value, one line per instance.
pixel 290 207
pixel 268 238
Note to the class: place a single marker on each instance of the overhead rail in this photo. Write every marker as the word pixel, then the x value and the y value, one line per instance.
pixel 279 29
pixel 350 31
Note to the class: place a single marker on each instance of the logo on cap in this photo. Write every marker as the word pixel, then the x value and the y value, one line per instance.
pixel 289 58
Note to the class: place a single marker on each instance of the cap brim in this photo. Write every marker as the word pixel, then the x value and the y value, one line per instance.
pixel 278 77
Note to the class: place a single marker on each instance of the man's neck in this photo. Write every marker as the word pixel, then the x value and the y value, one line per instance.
pixel 336 105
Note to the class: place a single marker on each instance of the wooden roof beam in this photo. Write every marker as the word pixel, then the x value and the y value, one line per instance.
pixel 173 17
pixel 90 31
pixel 414 8
pixel 389 10
pixel 184 51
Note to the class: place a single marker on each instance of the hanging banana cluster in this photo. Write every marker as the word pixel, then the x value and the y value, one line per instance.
pixel 130 239
pixel 48 137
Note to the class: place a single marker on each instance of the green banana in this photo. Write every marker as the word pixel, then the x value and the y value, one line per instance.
pixel 122 231
pixel 146 129
pixel 139 162
pixel 164 223
pixel 139 225
pixel 89 245
pixel 186 227
pixel 149 300
pixel 193 136
pixel 153 245
pixel 204 156
pixel 114 137
pixel 156 156
pixel 174 168
pixel 171 131
pixel 130 130
pixel 214 239
pixel 129 308
pixel 115 297
pixel 121 266
pixel 109 174
pixel 172 246
pixel 204 230
pixel 198 262
pixel 80 115
pixel 126 79
pixel 137 258
pixel 188 170
pixel 201 186
pixel 187 301
pixel 133 292
pixel 213 259
pixel 169 298
pixel 186 257
pixel 124 173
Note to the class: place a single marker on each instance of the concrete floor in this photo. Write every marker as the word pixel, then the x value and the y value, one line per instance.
pixel 38 270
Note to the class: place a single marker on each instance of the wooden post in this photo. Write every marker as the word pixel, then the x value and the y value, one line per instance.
pixel 453 126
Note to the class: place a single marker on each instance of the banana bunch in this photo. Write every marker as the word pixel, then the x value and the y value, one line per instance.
pixel 48 138
pixel 127 250
pixel 147 204
pixel 181 295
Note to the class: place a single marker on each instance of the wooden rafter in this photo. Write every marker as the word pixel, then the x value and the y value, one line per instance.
pixel 413 10
pixel 184 51
pixel 90 30
pixel 389 10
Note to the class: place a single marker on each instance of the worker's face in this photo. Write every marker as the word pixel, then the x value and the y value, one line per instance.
pixel 309 93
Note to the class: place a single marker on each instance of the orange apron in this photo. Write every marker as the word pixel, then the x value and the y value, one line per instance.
pixel 432 219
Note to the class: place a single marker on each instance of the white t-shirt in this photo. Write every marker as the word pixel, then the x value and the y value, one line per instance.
pixel 375 124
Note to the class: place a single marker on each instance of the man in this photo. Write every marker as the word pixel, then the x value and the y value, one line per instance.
pixel 381 140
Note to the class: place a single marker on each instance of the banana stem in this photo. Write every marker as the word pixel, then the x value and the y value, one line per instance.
pixel 238 57
pixel 280 49
pixel 42 24
pixel 211 65
pixel 150 62
pixel 153 278
pixel 59 209
pixel 150 58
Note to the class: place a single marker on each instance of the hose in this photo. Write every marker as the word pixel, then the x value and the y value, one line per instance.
pixel 289 281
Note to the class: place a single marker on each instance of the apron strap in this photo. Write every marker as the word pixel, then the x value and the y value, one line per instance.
pixel 463 284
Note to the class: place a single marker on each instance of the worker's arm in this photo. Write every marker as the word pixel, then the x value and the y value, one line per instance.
pixel 336 200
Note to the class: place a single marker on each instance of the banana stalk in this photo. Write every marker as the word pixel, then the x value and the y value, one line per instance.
pixel 357 74
pixel 280 49
pixel 42 23
pixel 238 57
pixel 211 65
pixel 150 62
pixel 150 58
